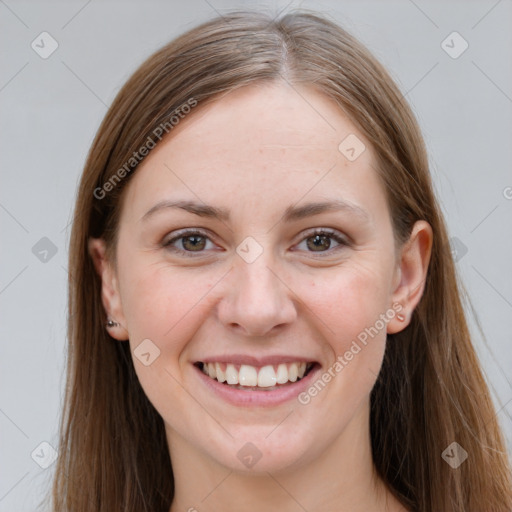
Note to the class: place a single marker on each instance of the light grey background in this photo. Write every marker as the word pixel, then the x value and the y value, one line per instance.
pixel 51 109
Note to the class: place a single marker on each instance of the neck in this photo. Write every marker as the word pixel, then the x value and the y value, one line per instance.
pixel 342 478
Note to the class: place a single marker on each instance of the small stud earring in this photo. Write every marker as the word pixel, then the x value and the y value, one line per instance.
pixel 400 317
pixel 111 323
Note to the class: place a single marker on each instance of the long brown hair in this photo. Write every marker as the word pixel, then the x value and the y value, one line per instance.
pixel 113 454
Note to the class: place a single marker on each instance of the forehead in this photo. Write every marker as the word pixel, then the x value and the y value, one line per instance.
pixel 264 142
pixel 267 118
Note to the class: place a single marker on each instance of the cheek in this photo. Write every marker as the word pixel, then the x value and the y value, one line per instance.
pixel 348 300
pixel 164 304
pixel 350 305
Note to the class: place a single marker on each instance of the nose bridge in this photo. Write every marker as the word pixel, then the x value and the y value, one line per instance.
pixel 253 268
pixel 257 300
pixel 257 280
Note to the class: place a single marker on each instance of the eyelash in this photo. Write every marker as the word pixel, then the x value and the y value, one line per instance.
pixel 343 242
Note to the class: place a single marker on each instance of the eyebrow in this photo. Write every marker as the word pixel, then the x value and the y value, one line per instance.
pixel 203 210
pixel 292 213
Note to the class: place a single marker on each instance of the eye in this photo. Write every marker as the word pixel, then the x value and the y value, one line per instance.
pixel 194 242
pixel 189 241
pixel 322 240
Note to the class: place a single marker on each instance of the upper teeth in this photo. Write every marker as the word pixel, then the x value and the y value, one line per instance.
pixel 246 375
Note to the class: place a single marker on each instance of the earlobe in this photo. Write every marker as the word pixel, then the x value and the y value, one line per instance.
pixel 115 324
pixel 412 274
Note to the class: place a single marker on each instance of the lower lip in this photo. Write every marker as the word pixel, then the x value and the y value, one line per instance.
pixel 257 398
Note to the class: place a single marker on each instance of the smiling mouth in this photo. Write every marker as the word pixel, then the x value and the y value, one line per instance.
pixel 252 378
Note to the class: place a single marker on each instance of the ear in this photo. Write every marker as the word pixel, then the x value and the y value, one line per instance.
pixel 410 275
pixel 110 295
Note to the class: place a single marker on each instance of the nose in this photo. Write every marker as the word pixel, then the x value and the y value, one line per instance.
pixel 257 300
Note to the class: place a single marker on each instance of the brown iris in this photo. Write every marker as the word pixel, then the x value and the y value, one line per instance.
pixel 319 242
pixel 193 242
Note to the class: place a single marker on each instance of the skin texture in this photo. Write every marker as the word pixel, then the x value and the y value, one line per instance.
pixel 255 152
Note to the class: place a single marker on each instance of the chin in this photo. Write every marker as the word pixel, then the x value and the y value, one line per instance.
pixel 258 451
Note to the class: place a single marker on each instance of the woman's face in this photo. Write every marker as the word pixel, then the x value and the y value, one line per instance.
pixel 251 238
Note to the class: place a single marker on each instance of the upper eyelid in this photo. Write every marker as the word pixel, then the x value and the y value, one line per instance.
pixel 167 243
pixel 182 233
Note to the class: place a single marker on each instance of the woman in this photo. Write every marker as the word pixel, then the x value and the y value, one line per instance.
pixel 264 313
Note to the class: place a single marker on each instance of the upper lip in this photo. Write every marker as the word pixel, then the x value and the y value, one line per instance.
pixel 240 359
